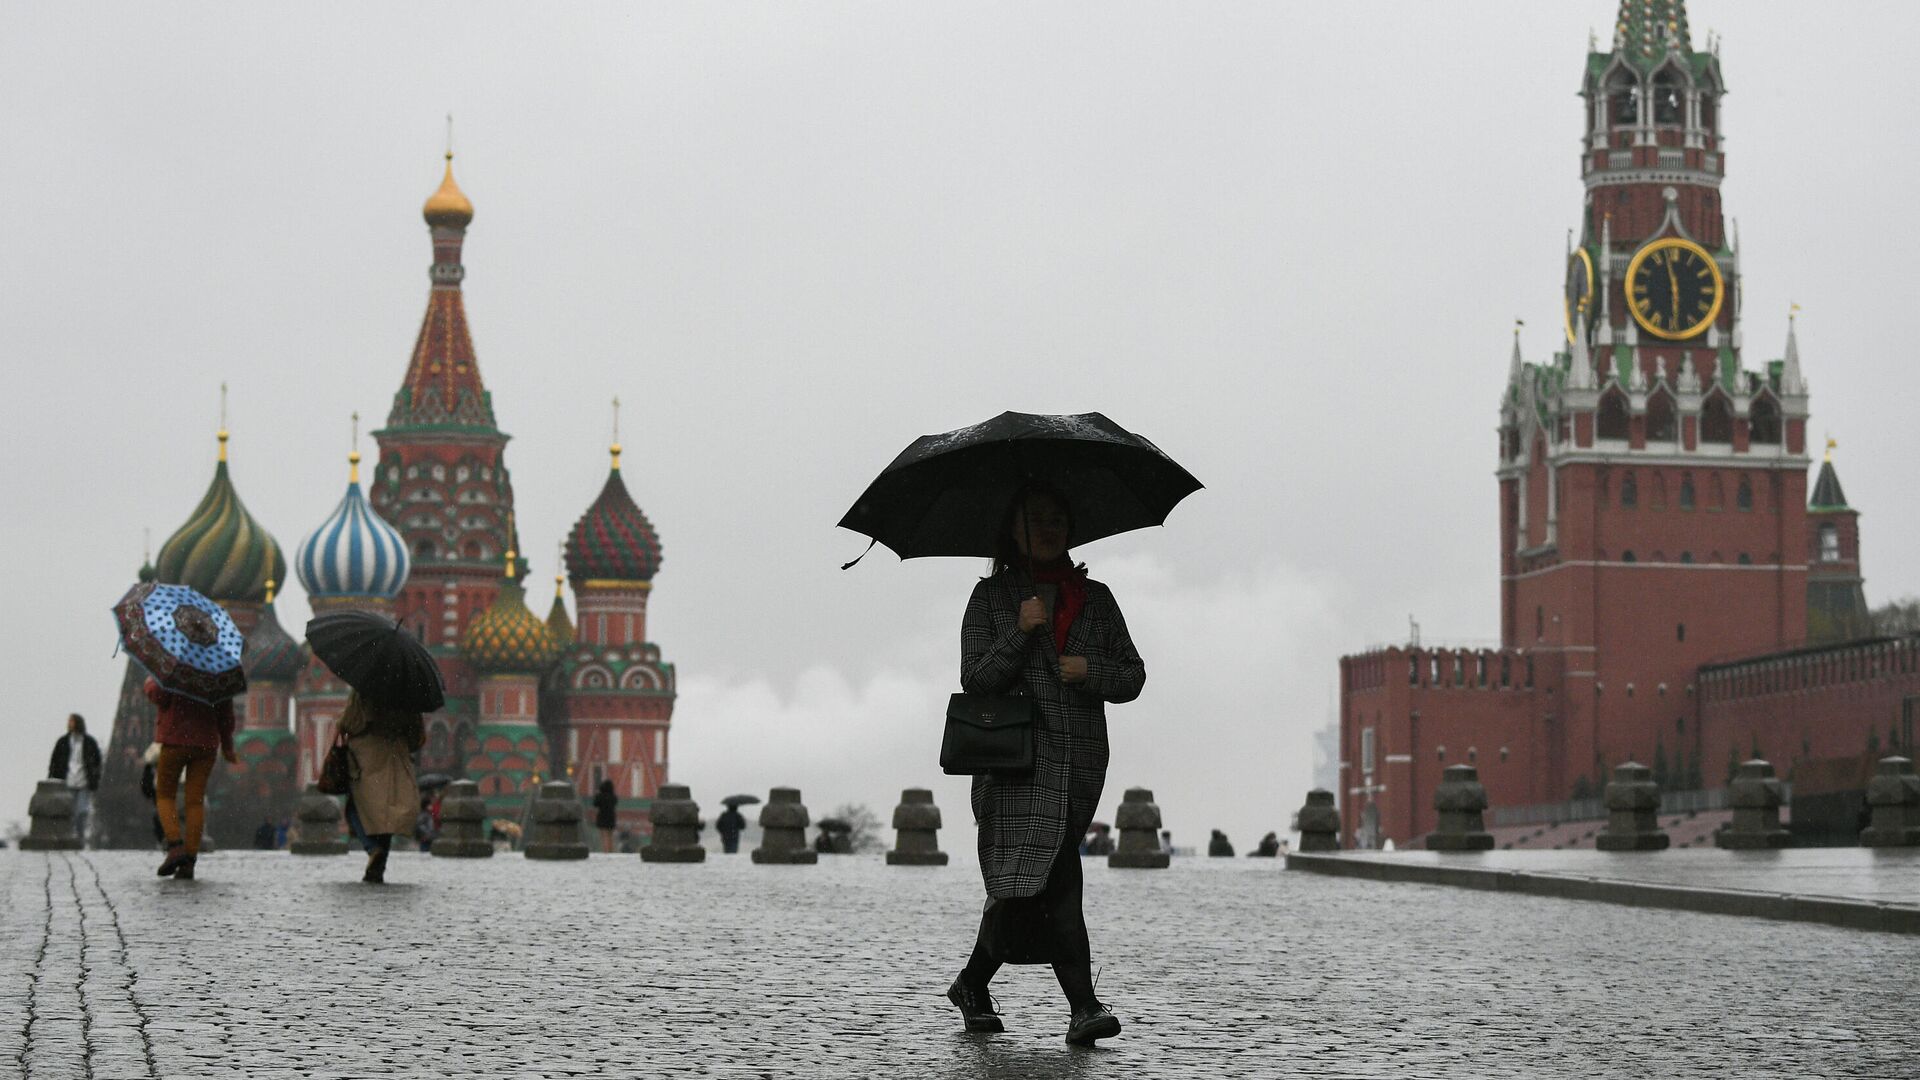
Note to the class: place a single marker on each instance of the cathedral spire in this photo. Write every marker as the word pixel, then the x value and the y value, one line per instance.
pixel 1647 29
pixel 443 387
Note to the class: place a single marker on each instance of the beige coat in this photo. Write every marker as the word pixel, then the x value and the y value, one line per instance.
pixel 384 791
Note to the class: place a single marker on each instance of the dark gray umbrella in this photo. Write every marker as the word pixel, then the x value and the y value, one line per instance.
pixel 740 800
pixel 948 494
pixel 379 658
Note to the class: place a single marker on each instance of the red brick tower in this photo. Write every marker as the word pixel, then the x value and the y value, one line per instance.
pixel 442 481
pixel 1836 592
pixel 613 694
pixel 1652 490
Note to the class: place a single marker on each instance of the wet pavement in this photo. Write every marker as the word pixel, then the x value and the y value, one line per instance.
pixel 275 966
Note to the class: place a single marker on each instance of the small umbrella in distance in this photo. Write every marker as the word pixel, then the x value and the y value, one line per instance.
pixel 377 657
pixel 187 642
pixel 740 800
pixel 946 494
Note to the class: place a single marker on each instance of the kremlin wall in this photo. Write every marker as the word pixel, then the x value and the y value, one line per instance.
pixel 429 540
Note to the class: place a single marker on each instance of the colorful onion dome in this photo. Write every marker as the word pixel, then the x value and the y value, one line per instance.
pixel 354 552
pixel 613 540
pixel 508 639
pixel 557 620
pixel 448 206
pixel 270 654
pixel 222 551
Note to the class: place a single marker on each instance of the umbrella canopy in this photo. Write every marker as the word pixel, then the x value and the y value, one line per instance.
pixel 433 780
pixel 740 800
pixel 948 494
pixel 186 642
pixel 833 824
pixel 377 657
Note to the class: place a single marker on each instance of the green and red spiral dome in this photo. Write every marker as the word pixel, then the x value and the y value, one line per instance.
pixel 613 540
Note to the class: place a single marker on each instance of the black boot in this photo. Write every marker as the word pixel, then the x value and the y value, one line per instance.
pixel 376 868
pixel 176 854
pixel 975 1005
pixel 185 870
pixel 1090 1019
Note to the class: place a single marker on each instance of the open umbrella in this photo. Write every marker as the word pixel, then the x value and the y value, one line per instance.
pixel 433 780
pixel 948 494
pixel 377 657
pixel 740 800
pixel 184 640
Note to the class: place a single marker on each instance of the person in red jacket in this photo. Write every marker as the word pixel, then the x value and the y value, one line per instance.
pixel 189 732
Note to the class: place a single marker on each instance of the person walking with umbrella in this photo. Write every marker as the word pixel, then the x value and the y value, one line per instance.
pixel 191 651
pixel 731 823
pixel 384 797
pixel 1021 489
pixel 394 680
pixel 606 813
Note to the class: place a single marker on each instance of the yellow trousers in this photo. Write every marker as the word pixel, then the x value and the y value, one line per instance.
pixel 197 763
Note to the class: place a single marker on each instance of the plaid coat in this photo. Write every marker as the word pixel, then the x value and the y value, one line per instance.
pixel 1025 822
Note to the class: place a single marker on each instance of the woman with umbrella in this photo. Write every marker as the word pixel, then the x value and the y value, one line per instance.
pixel 394 680
pixel 1024 487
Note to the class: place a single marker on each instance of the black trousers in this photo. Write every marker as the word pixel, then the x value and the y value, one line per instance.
pixel 1066 921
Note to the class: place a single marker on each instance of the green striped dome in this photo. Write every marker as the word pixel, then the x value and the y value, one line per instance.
pixel 221 550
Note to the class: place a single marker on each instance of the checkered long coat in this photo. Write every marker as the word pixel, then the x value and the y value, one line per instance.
pixel 1025 822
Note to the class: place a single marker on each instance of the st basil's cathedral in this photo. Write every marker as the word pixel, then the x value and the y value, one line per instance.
pixel 429 540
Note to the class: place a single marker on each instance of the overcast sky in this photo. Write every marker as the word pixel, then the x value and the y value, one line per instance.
pixel 1285 241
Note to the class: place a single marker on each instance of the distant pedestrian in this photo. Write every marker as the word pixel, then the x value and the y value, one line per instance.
pixel 1166 841
pixel 606 814
pixel 1100 841
pixel 384 798
pixel 76 763
pixel 1038 624
pixel 729 825
pixel 190 733
pixel 263 836
pixel 1269 847
pixel 280 834
pixel 1218 846
pixel 426 826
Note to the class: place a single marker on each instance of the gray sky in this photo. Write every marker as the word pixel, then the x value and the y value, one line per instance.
pixel 1287 242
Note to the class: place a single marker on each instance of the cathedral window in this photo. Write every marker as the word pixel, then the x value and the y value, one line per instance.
pixel 1629 492
pixel 1745 559
pixel 1764 422
pixel 1716 493
pixel 1706 112
pixel 1539 623
pixel 1680 632
pixel 1743 495
pixel 1623 97
pixel 424 549
pixel 1627 556
pixel 1686 491
pixel 1613 415
pixel 1686 557
pixel 1716 420
pixel 1829 544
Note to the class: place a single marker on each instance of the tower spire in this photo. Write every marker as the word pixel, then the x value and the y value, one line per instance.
pixel 353 455
pixel 1792 383
pixel 615 448
pixel 222 433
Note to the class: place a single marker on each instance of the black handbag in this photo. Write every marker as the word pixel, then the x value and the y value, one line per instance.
pixel 336 773
pixel 988 734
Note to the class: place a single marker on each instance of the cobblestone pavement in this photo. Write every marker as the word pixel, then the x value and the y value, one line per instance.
pixel 275 966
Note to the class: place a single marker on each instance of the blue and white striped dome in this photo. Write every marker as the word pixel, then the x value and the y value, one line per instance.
pixel 354 553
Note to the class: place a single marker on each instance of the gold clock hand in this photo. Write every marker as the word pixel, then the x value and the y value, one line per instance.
pixel 1673 282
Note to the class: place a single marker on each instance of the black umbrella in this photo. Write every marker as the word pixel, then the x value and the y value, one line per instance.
pixel 433 780
pixel 948 494
pixel 376 656
pixel 740 800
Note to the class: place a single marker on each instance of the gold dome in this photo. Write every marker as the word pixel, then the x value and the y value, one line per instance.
pixel 449 206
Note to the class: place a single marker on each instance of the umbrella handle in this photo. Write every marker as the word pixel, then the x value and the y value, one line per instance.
pixel 862 555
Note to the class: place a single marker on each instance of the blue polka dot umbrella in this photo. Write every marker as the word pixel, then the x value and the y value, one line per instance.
pixel 184 640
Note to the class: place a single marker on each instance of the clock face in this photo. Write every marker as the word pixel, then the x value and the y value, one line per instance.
pixel 1674 288
pixel 1579 297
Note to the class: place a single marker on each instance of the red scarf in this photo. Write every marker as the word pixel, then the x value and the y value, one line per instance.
pixel 1072 596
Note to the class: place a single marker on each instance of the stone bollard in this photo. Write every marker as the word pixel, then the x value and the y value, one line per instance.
pixel 1633 812
pixel 916 822
pixel 1319 822
pixel 51 809
pixel 317 823
pixel 1755 798
pixel 556 823
pixel 1139 822
pixel 676 827
pixel 1894 797
pixel 1460 799
pixel 463 823
pixel 783 827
